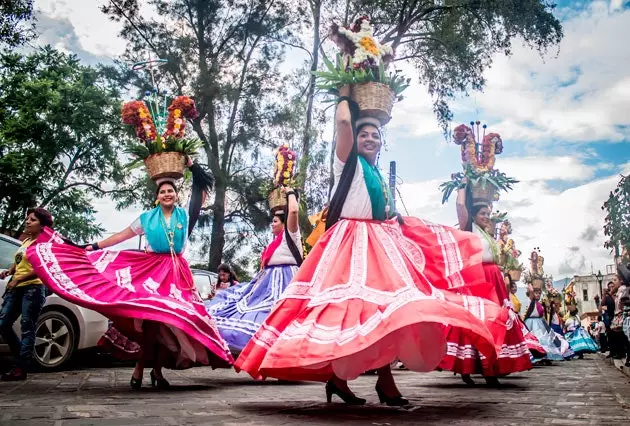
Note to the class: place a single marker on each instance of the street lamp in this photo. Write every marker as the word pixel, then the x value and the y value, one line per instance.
pixel 600 279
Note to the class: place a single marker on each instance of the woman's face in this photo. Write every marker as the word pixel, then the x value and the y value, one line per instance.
pixel 537 293
pixel 482 218
pixel 224 276
pixel 276 225
pixel 33 226
pixel 167 196
pixel 513 288
pixel 369 142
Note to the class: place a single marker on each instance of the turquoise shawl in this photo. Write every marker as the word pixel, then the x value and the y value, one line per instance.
pixel 156 229
pixel 378 190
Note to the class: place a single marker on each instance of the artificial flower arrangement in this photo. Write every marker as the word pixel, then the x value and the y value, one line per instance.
pixel 509 252
pixel 161 130
pixel 362 64
pixel 478 161
pixel 283 175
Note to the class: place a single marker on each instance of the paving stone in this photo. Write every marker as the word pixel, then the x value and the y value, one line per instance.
pixel 588 391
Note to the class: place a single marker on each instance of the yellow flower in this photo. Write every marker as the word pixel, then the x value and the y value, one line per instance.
pixel 177 113
pixel 287 174
pixel 368 44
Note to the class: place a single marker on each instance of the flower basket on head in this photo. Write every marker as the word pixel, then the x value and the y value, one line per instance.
pixel 484 191
pixel 277 200
pixel 283 170
pixel 478 151
pixel 163 147
pixel 515 274
pixel 362 65
pixel 375 100
pixel 165 165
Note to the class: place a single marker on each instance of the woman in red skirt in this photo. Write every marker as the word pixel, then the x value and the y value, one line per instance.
pixel 462 356
pixel 362 297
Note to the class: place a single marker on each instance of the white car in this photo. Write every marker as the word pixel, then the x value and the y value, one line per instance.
pixel 205 281
pixel 62 328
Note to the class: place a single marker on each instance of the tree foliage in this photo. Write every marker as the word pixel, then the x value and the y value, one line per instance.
pixel 617 220
pixel 15 22
pixel 60 133
pixel 226 55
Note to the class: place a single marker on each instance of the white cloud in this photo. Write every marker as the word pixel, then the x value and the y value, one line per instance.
pixel 96 33
pixel 537 168
pixel 581 95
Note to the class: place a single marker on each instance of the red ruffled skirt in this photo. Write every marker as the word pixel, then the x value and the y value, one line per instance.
pixel 363 297
pixel 131 287
pixel 462 355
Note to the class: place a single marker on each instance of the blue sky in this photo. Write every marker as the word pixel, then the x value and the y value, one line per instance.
pixel 564 120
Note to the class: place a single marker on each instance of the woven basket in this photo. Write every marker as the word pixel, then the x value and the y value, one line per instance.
pixel 485 193
pixel 277 200
pixel 515 274
pixel 166 165
pixel 375 100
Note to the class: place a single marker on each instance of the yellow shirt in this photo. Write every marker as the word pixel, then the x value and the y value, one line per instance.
pixel 23 266
pixel 516 303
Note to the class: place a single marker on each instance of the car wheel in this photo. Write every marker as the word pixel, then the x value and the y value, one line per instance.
pixel 54 339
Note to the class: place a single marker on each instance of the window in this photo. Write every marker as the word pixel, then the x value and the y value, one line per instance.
pixel 585 294
pixel 7 252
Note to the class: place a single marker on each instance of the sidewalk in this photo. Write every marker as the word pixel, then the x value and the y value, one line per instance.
pixel 617 363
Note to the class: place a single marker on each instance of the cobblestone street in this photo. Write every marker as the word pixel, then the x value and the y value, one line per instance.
pixel 585 391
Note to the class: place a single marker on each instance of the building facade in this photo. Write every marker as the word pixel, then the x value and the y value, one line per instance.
pixel 588 294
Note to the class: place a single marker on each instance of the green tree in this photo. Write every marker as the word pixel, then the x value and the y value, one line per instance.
pixel 226 54
pixel 16 22
pixel 60 133
pixel 617 220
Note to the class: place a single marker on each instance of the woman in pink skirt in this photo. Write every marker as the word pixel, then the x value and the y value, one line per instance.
pixel 149 295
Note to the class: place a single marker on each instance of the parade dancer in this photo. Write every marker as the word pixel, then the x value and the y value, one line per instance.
pixel 536 323
pixel 367 294
pixel 580 341
pixel 536 350
pixel 462 357
pixel 239 311
pixel 149 295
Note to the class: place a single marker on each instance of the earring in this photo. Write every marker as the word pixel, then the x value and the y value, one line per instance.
pixel 156 203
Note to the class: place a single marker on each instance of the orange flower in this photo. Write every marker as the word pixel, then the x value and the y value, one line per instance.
pixel 368 44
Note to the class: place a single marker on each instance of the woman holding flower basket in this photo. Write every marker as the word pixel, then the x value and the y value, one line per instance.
pixel 367 294
pixel 239 311
pixel 149 295
pixel 462 356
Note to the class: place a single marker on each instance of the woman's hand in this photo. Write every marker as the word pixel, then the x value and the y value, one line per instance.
pixel 344 90
pixel 4 274
pixel 189 162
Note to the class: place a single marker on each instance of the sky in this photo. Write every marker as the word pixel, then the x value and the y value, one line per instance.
pixel 564 120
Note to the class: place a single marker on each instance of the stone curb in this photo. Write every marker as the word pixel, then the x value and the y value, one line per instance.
pixel 617 363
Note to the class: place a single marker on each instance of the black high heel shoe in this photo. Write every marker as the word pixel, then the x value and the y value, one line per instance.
pixel 136 383
pixel 159 383
pixel 468 380
pixel 493 381
pixel 396 401
pixel 349 399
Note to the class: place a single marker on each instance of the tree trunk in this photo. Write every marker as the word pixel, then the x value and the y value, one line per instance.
pixel 217 238
pixel 316 6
